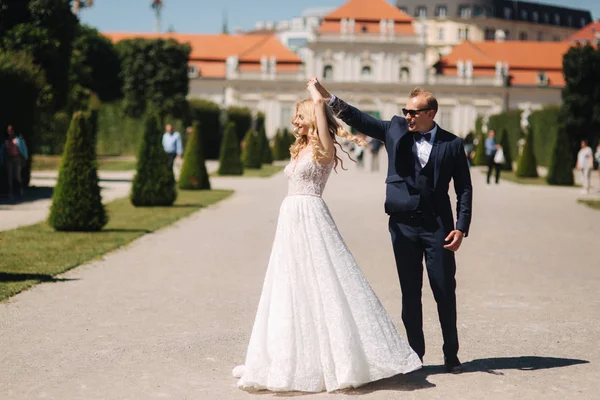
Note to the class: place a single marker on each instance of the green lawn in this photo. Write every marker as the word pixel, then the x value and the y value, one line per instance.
pixel 45 163
pixel 595 204
pixel 265 172
pixel 36 253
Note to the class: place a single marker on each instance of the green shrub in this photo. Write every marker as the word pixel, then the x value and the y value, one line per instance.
pixel 287 139
pixel 242 118
pixel 267 153
pixel 511 121
pixel 76 202
pixel 480 158
pixel 544 124
pixel 527 165
pixel 208 114
pixel 507 166
pixel 230 162
pixel 193 172
pixel 253 149
pixel 154 182
pixel 560 171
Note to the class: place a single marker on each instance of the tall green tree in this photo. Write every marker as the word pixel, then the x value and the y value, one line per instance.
pixel 560 171
pixel 45 29
pixel 77 202
pixel 230 162
pixel 527 165
pixel 208 114
pixel 155 76
pixel 193 174
pixel 154 182
pixel 581 94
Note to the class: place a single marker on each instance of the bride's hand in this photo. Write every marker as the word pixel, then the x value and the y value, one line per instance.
pixel 314 91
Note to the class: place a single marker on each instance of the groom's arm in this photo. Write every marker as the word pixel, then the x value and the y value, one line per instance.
pixel 464 190
pixel 363 122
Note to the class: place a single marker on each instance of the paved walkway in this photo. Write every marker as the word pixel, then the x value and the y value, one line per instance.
pixel 168 316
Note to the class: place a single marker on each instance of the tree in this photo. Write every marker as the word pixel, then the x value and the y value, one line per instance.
pixel 230 162
pixel 287 139
pixel 155 76
pixel 267 153
pixel 242 118
pixel 208 114
pixel 253 149
pixel 45 29
pixel 95 66
pixel 507 166
pixel 193 174
pixel 581 94
pixel 154 182
pixel 277 145
pixel 527 165
pixel 560 171
pixel 76 202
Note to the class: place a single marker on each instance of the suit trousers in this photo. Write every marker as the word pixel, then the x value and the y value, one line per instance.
pixel 414 236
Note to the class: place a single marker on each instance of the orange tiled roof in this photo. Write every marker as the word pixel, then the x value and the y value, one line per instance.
pixel 368 10
pixel 211 51
pixel 588 33
pixel 525 59
pixel 371 27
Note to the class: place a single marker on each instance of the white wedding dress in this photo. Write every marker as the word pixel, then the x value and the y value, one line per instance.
pixel 319 325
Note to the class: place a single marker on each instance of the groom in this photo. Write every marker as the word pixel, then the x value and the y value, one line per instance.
pixel 422 159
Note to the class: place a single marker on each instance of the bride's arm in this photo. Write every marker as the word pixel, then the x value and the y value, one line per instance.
pixel 322 125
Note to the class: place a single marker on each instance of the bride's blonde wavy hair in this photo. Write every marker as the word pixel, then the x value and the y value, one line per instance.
pixel 306 108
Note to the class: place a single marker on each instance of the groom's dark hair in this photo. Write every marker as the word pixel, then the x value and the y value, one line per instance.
pixel 432 103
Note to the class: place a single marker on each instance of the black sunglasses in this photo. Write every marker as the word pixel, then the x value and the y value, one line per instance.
pixel 413 112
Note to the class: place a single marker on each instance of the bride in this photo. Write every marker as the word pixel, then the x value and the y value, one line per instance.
pixel 319 325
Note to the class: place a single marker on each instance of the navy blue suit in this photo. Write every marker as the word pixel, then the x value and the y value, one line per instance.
pixel 421 217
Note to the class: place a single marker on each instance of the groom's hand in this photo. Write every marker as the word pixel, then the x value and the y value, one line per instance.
pixel 326 95
pixel 455 238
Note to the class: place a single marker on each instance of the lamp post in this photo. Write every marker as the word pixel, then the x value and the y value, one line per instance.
pixel 157 6
pixel 78 5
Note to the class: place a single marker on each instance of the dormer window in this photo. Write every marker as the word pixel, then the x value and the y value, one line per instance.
pixel 421 12
pixel 363 29
pixel 365 73
pixel 542 78
pixel 557 19
pixel 546 18
pixel 507 13
pixel 582 22
pixel 478 11
pixel 524 15
pixel 464 11
pixel 441 11
pixel 192 71
pixel 535 16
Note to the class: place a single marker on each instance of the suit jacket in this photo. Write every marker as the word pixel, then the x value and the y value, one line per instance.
pixel 450 162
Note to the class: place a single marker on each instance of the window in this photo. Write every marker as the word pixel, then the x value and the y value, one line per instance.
pixel 556 19
pixel 365 72
pixel 363 29
pixel 460 34
pixel 570 20
pixel 524 15
pixel 328 72
pixel 441 34
pixel 297 43
pixel 535 16
pixel 506 34
pixel 421 12
pixel 441 11
pixel 507 13
pixel 192 71
pixel 404 74
pixel 542 78
pixel 489 34
pixel 464 12
pixel 540 36
pixel 466 33
pixel 582 22
pixel 523 36
pixel 478 11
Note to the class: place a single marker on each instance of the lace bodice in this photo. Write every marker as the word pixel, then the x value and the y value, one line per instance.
pixel 307 177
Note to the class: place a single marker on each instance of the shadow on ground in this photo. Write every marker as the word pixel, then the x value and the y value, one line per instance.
pixel 20 277
pixel 33 193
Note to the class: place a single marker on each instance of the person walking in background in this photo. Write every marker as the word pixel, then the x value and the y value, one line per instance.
pixel 491 147
pixel 585 163
pixel 15 154
pixel 172 144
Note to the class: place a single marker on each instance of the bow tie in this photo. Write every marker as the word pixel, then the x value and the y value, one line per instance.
pixel 419 136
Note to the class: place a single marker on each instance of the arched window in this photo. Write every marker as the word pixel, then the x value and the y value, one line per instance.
pixel 365 72
pixel 328 72
pixel 404 74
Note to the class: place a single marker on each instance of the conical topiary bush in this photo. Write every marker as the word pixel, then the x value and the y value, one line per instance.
pixel 267 153
pixel 560 171
pixel 76 202
pixel 480 158
pixel 276 150
pixel 527 165
pixel 287 139
pixel 507 166
pixel 252 154
pixel 230 162
pixel 193 174
pixel 154 182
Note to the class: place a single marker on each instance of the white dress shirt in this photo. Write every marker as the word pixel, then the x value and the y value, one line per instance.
pixel 424 147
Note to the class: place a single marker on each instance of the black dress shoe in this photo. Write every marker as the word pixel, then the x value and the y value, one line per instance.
pixel 453 366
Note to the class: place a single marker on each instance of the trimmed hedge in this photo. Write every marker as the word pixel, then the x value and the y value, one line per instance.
pixel 527 165
pixel 242 118
pixel 511 122
pixel 154 182
pixel 544 124
pixel 560 171
pixel 208 114
pixel 507 166
pixel 230 162
pixel 193 174
pixel 253 149
pixel 76 201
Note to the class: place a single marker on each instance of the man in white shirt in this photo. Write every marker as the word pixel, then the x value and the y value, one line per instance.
pixel 585 163
pixel 172 144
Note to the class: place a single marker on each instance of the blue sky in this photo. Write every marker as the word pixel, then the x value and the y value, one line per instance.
pixel 205 16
